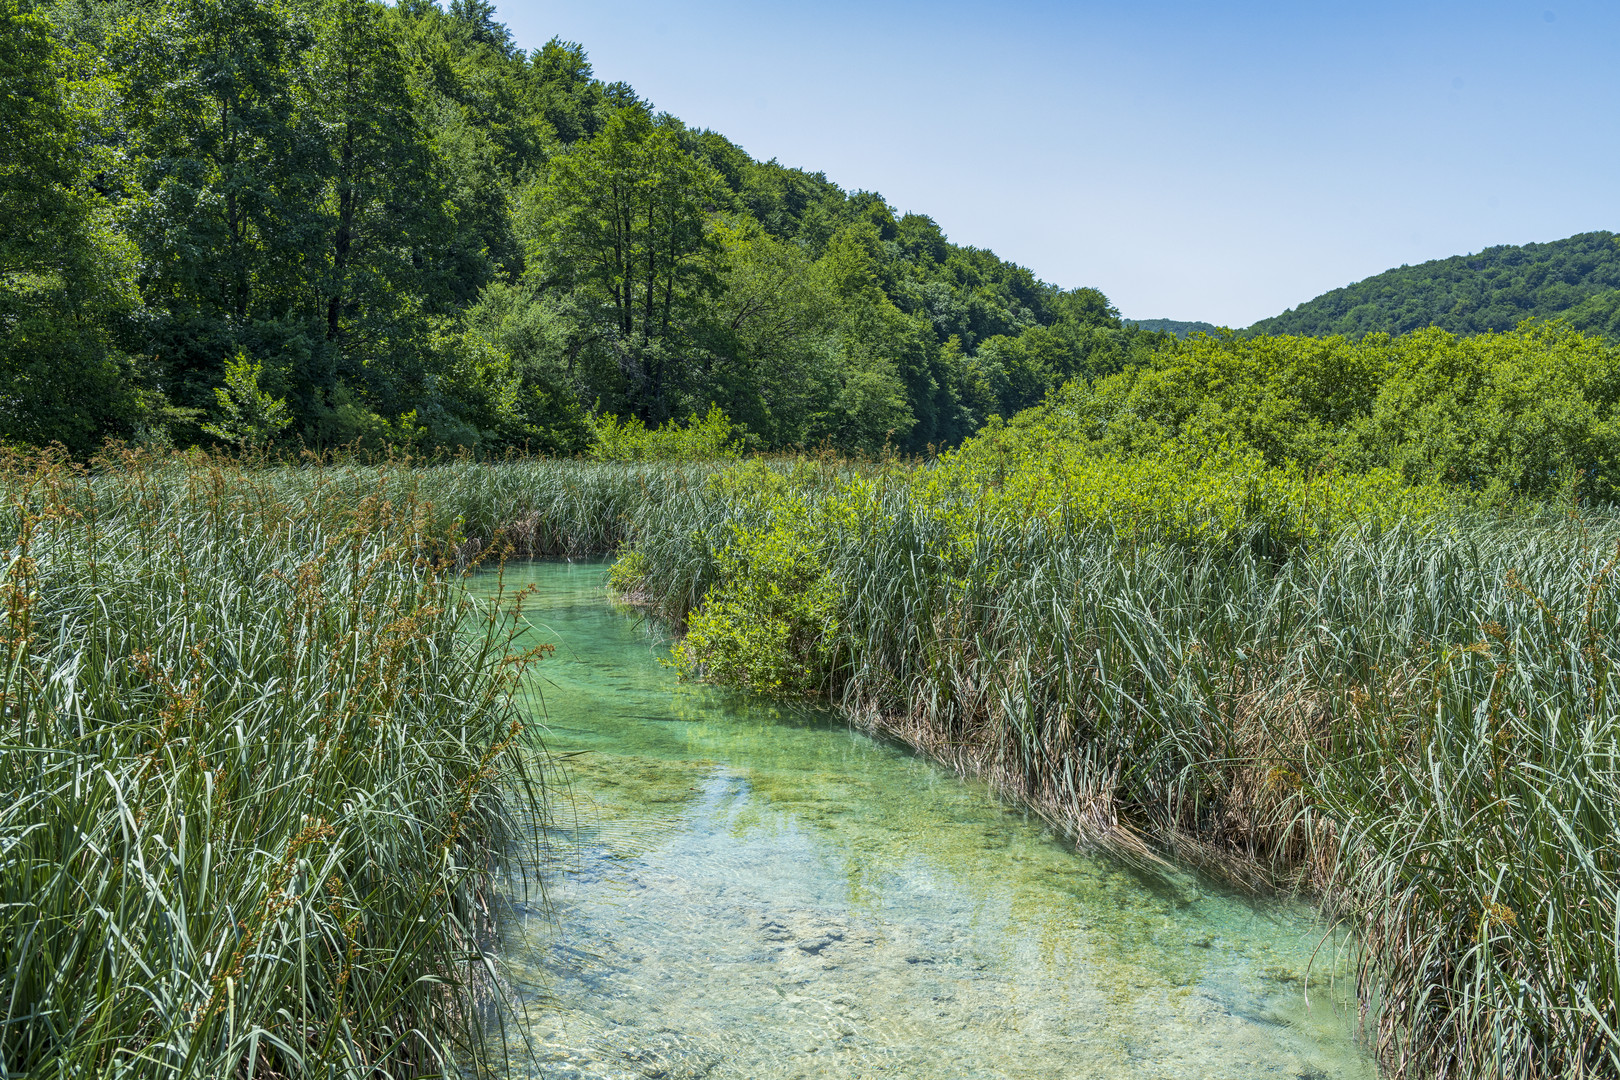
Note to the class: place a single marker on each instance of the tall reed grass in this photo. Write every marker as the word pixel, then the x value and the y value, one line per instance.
pixel 258 760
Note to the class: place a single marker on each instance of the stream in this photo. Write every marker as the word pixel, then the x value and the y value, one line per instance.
pixel 737 888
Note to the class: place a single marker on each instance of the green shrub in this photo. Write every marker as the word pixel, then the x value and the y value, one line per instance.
pixel 627 572
pixel 701 438
pixel 770 623
pixel 1523 414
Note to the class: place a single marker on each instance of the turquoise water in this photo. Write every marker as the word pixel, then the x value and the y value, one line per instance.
pixel 737 888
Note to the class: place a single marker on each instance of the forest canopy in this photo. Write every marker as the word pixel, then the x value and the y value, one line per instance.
pixel 1177 327
pixel 1528 414
pixel 337 222
pixel 323 223
pixel 1577 279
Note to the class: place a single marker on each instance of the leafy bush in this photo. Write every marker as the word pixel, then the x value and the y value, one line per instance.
pixel 701 438
pixel 771 622
pixel 1209 496
pixel 1525 414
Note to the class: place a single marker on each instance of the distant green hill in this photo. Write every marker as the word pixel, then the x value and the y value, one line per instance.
pixel 1599 313
pixel 1577 278
pixel 1179 327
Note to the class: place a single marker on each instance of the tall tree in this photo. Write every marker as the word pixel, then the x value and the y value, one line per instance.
pixel 875 345
pixel 477 18
pixel 623 218
pixel 65 270
pixel 767 336
pixel 232 183
pixel 37 142
pixel 382 211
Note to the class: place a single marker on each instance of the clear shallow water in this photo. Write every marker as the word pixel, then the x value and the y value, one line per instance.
pixel 742 889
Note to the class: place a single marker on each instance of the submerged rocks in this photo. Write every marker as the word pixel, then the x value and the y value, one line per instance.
pixel 814 945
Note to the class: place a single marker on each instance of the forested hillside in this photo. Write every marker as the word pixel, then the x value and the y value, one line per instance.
pixel 335 221
pixel 1179 327
pixel 1577 279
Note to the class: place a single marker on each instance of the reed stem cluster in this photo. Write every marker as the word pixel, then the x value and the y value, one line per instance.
pixel 259 759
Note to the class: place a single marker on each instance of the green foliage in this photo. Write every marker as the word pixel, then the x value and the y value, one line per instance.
pixel 248 416
pixel 1522 414
pixel 1195 495
pixel 430 238
pixel 771 623
pixel 1019 371
pixel 1530 413
pixel 621 220
pixel 532 334
pixel 876 346
pixel 771 321
pixel 1466 294
pixel 66 272
pixel 1176 327
pixel 702 438
pixel 383 199
pixel 1597 314
pixel 37 134
pixel 206 93
pixel 626 573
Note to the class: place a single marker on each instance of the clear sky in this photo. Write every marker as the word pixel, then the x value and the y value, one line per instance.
pixel 1214 161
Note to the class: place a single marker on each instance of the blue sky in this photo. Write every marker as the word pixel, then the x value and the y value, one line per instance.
pixel 1194 161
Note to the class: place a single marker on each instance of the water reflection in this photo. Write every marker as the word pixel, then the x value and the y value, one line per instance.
pixel 751 890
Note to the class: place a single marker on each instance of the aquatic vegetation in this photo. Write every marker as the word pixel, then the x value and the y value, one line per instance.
pixel 259 760
pixel 1342 684
pixel 744 889
pixel 1377 693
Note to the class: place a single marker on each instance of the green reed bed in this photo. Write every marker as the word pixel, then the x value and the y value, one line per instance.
pixel 258 760
pixel 528 507
pixel 1348 686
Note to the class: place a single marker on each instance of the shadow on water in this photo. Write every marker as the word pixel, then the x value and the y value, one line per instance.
pixel 742 888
